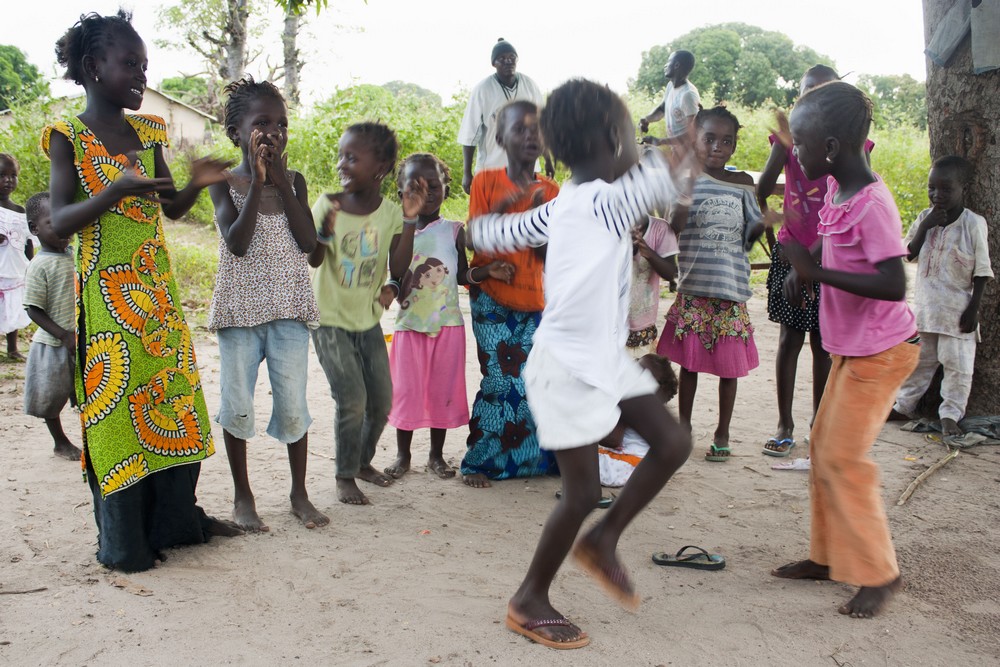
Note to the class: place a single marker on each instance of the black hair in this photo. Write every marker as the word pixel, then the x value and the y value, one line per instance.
pixel 380 138
pixel 89 37
pixel 426 158
pixel 577 117
pixel 33 208
pixel 839 110
pixel 958 165
pixel 523 105
pixel 722 113
pixel 13 160
pixel 663 373
pixel 241 94
pixel 685 59
pixel 821 71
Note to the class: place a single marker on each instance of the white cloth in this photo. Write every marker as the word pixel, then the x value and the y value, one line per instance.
pixel 479 124
pixel 615 472
pixel 958 356
pixel 679 104
pixel 13 261
pixel 948 261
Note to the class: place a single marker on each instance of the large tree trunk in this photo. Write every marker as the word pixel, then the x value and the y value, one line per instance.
pixel 291 57
pixel 963 112
pixel 235 63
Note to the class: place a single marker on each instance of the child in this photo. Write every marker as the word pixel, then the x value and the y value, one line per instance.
pixel 15 251
pixel 579 378
pixel 355 228
pixel 48 298
pixel 263 300
pixel 802 201
pixel 506 301
pixel 870 334
pixel 654 245
pixel 949 243
pixel 681 100
pixel 145 424
pixel 708 327
pixel 427 358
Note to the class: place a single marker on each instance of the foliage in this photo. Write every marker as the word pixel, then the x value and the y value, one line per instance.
pixel 299 6
pixel 899 98
pixel 192 90
pixel 19 79
pixel 734 62
pixel 194 258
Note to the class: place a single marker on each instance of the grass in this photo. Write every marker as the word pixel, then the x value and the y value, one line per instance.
pixel 194 252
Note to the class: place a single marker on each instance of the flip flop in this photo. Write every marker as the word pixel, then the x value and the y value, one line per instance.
pixel 700 560
pixel 613 579
pixel 604 503
pixel 787 443
pixel 714 455
pixel 527 629
pixel 795 464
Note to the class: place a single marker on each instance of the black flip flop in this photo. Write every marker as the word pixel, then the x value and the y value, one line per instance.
pixel 698 560
pixel 604 503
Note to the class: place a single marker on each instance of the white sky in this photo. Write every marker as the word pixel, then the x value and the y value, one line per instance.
pixel 444 45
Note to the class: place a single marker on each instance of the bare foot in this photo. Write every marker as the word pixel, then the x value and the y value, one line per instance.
pixel 440 468
pixel 349 493
pixel 523 612
pixel 476 480
pixel 870 600
pixel 219 528
pixel 399 467
pixel 15 356
pixel 372 476
pixel 245 516
pixel 897 416
pixel 67 450
pixel 802 569
pixel 950 427
pixel 307 513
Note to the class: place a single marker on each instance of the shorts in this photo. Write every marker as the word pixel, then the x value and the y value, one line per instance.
pixel 48 380
pixel 285 346
pixel 569 412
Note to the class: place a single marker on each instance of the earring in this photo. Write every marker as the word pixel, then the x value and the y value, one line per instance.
pixel 618 151
pixel 829 160
pixel 97 79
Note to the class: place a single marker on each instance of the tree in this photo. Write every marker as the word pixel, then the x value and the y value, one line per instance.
pixel 19 79
pixel 736 62
pixel 899 98
pixel 193 90
pixel 963 119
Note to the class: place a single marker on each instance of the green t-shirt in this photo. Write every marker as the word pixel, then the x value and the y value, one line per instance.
pixel 355 265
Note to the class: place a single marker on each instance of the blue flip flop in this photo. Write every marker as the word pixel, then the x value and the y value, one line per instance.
pixel 789 443
pixel 699 559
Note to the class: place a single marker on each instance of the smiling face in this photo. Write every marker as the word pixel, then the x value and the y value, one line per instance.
pixel 808 144
pixel 945 189
pixel 268 115
pixel 121 70
pixel 519 135
pixel 8 178
pixel 358 167
pixel 716 142
pixel 437 189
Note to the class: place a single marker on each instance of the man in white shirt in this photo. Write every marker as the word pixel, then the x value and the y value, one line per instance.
pixel 479 124
pixel 681 101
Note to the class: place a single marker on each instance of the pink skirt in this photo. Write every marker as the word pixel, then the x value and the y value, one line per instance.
pixel 706 335
pixel 428 380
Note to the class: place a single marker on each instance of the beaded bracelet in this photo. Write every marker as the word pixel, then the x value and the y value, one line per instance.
pixel 410 221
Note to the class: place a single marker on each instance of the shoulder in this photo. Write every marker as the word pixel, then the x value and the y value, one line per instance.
pixel 152 130
pixel 63 127
pixel 741 178
pixel 974 220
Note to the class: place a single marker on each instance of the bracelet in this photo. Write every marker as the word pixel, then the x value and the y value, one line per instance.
pixel 410 221
pixel 322 238
pixel 469 279
pixel 394 283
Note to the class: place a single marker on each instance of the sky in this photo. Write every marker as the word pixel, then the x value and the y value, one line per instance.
pixel 444 45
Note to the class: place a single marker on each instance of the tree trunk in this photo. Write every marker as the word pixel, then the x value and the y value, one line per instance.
pixel 963 119
pixel 291 56
pixel 235 63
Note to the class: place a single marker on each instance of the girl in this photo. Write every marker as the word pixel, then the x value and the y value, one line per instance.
pixel 654 245
pixel 15 251
pixel 579 378
pixel 355 228
pixel 427 358
pixel 506 301
pixel 145 424
pixel 708 327
pixel 871 335
pixel 263 298
pixel 802 201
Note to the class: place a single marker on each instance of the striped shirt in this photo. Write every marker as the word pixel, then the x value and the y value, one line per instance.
pixel 588 263
pixel 49 287
pixel 713 259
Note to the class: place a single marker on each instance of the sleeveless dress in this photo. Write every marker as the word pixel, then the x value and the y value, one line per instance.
pixel 143 413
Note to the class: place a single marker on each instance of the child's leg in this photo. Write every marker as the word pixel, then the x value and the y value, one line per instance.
pixel 958 356
pixel 581 492
pixel 727 400
pixel 916 385
pixel 436 460
pixel 401 465
pixel 63 447
pixel 786 366
pixel 378 385
pixel 685 398
pixel 12 351
pixel 244 504
pixel 298 453
pixel 821 368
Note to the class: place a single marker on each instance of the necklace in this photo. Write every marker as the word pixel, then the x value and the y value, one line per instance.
pixel 509 92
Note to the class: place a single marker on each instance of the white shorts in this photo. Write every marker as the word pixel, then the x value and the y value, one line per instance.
pixel 569 412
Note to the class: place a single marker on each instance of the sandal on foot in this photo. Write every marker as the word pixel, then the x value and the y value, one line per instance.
pixel 772 445
pixel 613 578
pixel 527 629
pixel 699 560
pixel 716 455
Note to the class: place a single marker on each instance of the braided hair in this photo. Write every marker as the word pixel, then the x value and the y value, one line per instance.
pixel 426 158
pixel 89 37
pixel 380 138
pixel 241 94
pixel 577 117
pixel 721 113
pixel 839 110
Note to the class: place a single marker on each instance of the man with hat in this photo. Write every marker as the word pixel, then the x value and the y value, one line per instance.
pixel 479 124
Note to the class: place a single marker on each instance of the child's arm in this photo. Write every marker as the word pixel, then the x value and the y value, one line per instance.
pixel 412 199
pixel 326 234
pixel 508 232
pixel 769 177
pixel 650 185
pixel 296 201
pixel 665 267
pixel 66 336
pixel 936 217
pixel 204 172
pixel 970 316
pixel 889 284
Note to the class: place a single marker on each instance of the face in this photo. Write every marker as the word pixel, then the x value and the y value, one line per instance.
pixel 436 188
pixel 808 144
pixel 716 142
pixel 944 189
pixel 625 131
pixel 520 136
pixel 506 65
pixel 671 67
pixel 43 230
pixel 122 70
pixel 268 116
pixel 436 275
pixel 357 165
pixel 8 178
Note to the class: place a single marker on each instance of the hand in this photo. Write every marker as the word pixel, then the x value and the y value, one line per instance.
pixel 501 270
pixel 260 155
pixel 640 245
pixel 414 197
pixel 277 170
pixel 970 318
pixel 783 132
pixel 386 295
pixel 68 339
pixel 330 221
pixel 643 124
pixel 802 261
pixel 793 288
pixel 938 217
pixel 208 170
pixel 467 181
pixel 649 140
pixel 131 183
pixel 685 167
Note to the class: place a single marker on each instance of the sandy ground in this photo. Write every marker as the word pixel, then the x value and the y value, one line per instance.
pixel 422 576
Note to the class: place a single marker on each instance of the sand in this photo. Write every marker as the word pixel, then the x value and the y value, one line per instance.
pixel 422 575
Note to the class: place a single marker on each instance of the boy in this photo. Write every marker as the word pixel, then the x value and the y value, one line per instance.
pixel 49 300
pixel 681 100
pixel 953 264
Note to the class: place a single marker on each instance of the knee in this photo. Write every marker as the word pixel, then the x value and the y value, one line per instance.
pixel 791 339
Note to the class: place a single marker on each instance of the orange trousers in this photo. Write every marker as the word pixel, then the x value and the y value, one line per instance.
pixel 850 530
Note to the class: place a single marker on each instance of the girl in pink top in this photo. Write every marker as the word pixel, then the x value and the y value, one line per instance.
pixel 870 333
